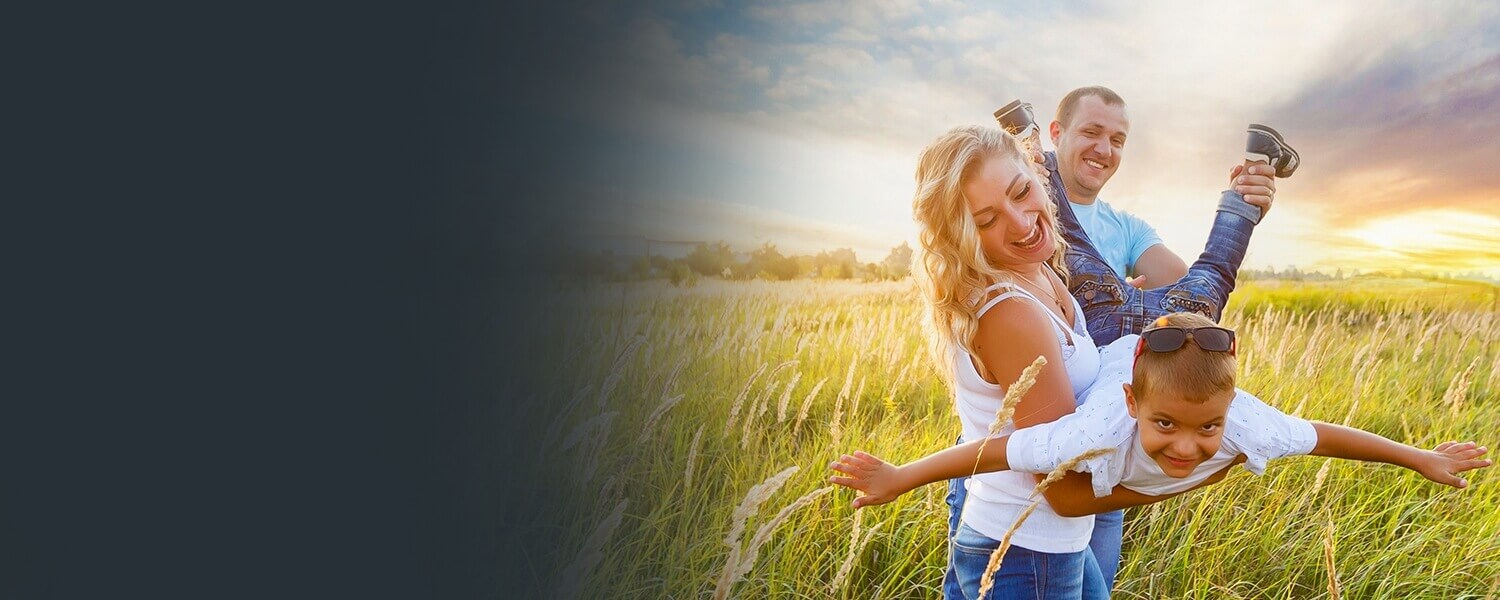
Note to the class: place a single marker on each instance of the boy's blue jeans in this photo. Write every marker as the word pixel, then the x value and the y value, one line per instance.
pixel 1114 309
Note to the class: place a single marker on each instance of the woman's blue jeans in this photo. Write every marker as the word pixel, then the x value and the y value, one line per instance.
pixel 1023 574
pixel 1104 542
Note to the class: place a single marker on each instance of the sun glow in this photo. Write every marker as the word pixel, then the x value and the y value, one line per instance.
pixel 1437 240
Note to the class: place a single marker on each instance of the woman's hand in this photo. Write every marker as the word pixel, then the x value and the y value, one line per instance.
pixel 880 481
pixel 1443 463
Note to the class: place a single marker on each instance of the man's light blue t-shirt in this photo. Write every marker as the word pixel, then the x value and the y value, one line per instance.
pixel 1119 236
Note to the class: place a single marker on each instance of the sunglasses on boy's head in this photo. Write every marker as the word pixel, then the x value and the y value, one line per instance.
pixel 1167 339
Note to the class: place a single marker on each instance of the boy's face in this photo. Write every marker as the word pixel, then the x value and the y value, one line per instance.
pixel 1177 433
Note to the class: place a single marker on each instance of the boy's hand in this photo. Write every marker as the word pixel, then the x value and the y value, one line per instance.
pixel 1443 463
pixel 880 481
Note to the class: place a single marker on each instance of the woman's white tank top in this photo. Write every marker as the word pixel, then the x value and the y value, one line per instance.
pixel 995 500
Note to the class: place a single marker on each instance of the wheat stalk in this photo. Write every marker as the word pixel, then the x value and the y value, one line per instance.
pixel 1013 397
pixel 1318 479
pixel 582 429
pixel 835 425
pixel 753 499
pixel 786 397
pixel 857 544
pixel 666 405
pixel 739 401
pixel 739 562
pixel 757 408
pixel 806 405
pixel 687 473
pixel 859 392
pixel 987 579
pixel 1328 554
pixel 1062 469
pixel 1458 389
pixel 617 370
pixel 1425 335
pixel 577 572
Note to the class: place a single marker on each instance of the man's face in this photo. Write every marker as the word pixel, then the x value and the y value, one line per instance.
pixel 1177 433
pixel 1090 146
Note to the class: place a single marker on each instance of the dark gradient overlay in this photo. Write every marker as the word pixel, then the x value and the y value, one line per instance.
pixel 282 281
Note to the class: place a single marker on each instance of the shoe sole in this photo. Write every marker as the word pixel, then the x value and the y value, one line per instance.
pixel 1015 105
pixel 1268 131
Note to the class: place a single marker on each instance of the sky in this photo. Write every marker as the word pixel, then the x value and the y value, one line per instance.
pixel 799 123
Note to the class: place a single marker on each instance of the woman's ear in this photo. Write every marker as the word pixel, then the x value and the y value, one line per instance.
pixel 1129 399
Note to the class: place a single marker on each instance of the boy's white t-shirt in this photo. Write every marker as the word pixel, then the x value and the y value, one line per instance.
pixel 1252 428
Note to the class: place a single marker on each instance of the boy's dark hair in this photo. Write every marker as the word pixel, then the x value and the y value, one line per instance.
pixel 1194 373
pixel 1070 101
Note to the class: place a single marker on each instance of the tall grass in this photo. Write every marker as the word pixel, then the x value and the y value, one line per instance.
pixel 669 413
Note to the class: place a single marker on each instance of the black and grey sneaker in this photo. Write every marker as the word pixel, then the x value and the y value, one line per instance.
pixel 1017 119
pixel 1265 144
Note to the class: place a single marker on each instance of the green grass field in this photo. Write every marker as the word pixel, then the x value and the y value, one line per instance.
pixel 679 401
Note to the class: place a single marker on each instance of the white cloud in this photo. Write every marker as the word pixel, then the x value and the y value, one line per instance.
pixel 838 82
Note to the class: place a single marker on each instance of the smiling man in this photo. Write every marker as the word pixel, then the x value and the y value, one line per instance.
pixel 1090 133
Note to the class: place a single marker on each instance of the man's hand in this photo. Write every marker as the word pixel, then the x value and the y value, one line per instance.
pixel 880 481
pixel 1137 282
pixel 1257 184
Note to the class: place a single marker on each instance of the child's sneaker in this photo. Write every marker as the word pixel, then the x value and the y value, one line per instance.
pixel 1017 119
pixel 1265 144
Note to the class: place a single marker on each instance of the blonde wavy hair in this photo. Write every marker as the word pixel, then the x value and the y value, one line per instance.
pixel 951 269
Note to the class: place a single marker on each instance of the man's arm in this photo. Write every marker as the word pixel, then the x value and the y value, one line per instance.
pixel 1159 266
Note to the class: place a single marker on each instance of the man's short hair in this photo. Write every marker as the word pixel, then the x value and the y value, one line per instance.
pixel 1070 102
pixel 1191 372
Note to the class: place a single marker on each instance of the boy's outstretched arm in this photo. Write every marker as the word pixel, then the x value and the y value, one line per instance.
pixel 883 482
pixel 1440 465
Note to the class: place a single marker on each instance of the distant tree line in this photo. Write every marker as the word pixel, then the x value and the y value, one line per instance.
pixel 718 260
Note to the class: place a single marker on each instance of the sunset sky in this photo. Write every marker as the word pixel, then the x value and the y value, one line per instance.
pixel 799 123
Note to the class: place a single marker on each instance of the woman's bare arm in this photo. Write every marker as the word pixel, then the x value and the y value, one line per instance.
pixel 1073 495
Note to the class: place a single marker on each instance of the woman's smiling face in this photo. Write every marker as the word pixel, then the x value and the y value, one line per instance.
pixel 1009 207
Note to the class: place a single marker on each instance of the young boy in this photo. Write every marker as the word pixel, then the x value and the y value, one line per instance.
pixel 1177 421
